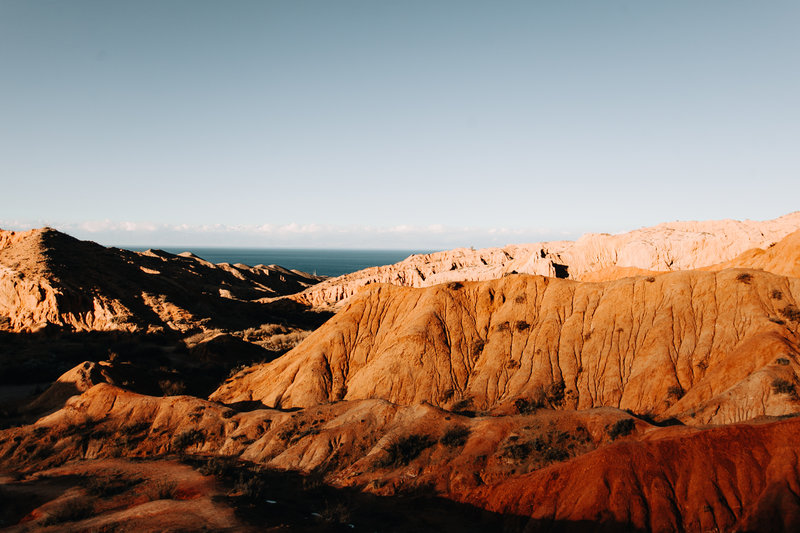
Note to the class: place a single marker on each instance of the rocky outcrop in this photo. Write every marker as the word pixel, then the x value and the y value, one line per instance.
pixel 731 478
pixel 594 257
pixel 782 257
pixel 705 347
pixel 49 278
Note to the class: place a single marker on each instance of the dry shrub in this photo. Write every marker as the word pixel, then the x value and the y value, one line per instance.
pixel 162 489
pixel 621 428
pixel 70 511
pixel 455 437
pixel 405 449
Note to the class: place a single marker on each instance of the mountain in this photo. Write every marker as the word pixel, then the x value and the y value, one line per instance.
pixel 594 257
pixel 50 278
pixel 169 322
pixel 703 347
pixel 648 384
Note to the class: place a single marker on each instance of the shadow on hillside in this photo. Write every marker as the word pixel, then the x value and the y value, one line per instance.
pixel 153 364
pixel 279 499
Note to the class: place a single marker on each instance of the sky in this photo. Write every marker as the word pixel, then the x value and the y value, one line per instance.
pixel 378 124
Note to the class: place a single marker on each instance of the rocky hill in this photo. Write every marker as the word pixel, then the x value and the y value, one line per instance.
pixel 594 257
pixel 50 278
pixel 638 394
pixel 705 347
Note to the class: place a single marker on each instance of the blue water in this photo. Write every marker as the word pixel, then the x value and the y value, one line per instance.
pixel 322 262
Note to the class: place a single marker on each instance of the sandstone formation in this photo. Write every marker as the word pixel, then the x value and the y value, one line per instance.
pixel 49 278
pixel 782 257
pixel 655 389
pixel 705 347
pixel 593 257
pixel 730 478
pixel 590 470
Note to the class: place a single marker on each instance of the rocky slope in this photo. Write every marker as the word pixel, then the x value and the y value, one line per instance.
pixel 594 257
pixel 534 465
pixel 705 347
pixel 49 278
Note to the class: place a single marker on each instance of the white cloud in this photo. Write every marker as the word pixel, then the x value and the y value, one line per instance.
pixel 293 234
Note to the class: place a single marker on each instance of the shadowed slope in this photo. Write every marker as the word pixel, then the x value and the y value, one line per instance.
pixel 702 346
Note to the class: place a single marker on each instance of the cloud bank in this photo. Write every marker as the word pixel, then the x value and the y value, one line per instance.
pixel 293 235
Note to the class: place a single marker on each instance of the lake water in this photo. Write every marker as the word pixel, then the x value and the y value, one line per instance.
pixel 323 262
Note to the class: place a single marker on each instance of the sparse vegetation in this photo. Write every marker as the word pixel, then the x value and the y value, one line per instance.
pixel 171 387
pixel 555 392
pixel 521 325
pixel 783 386
pixel 782 361
pixel 105 487
pixel 478 347
pixel 250 486
pixel 790 312
pixel 455 436
pixel 162 489
pixel 518 451
pixel 69 511
pixel 217 467
pixel 676 391
pixel 454 285
pixel 776 294
pixel 621 428
pixel 745 278
pixel 503 326
pixel 187 438
pixel 405 449
pixel 463 407
pixel 526 406
pixel 649 279
pixel 335 513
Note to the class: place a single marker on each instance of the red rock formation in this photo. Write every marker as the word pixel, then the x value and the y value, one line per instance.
pixel 700 346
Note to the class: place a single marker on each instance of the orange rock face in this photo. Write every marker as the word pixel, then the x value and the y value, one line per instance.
pixel 635 395
pixel 704 347
pixel 593 257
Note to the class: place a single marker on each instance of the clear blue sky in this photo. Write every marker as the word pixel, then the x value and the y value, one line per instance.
pixel 378 123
